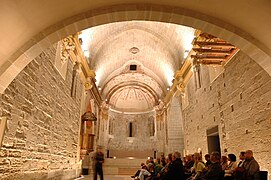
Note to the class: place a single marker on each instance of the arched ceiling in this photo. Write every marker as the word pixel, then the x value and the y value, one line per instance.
pixel 160 48
pixel 156 48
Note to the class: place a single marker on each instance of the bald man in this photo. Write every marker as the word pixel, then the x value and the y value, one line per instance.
pixel 251 166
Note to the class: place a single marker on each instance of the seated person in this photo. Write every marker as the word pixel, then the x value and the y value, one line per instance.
pixel 143 173
pixel 214 171
pixel 189 163
pixel 198 167
pixel 138 171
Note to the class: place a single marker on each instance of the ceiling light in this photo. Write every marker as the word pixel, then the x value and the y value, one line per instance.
pixel 85 38
pixel 185 54
pixel 86 53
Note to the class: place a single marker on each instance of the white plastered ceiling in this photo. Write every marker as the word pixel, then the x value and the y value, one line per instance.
pixel 156 48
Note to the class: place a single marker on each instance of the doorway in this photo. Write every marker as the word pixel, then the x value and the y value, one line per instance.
pixel 213 140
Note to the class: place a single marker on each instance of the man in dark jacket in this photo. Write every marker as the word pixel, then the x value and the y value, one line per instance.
pixel 99 160
pixel 251 167
pixel 215 169
pixel 176 170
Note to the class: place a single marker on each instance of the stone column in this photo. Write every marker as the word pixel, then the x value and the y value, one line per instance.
pixel 197 76
pixel 75 74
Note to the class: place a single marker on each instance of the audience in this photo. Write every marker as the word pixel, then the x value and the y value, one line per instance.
pixel 216 168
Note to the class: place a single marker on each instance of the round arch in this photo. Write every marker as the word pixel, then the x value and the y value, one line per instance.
pixel 126 12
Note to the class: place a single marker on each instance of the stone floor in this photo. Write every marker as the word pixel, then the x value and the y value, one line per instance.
pixel 107 177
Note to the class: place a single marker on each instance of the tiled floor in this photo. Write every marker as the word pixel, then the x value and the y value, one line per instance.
pixel 107 177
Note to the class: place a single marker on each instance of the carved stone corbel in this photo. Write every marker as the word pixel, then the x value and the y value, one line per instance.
pixel 88 84
pixel 67 44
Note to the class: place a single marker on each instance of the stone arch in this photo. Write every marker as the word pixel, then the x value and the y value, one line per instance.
pixel 125 12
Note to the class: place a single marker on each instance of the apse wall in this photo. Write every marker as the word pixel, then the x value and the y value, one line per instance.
pixel 41 138
pixel 239 102
pixel 139 143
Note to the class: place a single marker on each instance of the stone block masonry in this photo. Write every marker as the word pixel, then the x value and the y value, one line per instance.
pixel 238 102
pixel 41 138
pixel 141 140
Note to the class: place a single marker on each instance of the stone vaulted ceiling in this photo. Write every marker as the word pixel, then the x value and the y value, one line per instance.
pixel 157 49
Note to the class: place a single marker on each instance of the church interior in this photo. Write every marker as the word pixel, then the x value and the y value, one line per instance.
pixel 138 79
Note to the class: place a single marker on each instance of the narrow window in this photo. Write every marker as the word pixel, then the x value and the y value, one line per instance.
pixel 130 129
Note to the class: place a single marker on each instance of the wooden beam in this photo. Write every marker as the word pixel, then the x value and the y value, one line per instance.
pixel 204 43
pixel 217 51
pixel 211 62
pixel 209 56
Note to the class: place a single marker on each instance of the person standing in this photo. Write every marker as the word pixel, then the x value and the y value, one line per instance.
pixel 99 160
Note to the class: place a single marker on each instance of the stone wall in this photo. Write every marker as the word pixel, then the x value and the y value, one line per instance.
pixel 41 138
pixel 239 102
pixel 141 141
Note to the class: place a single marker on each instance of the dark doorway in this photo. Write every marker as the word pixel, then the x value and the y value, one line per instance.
pixel 213 140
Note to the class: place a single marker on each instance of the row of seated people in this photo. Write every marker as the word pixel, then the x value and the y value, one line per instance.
pixel 214 168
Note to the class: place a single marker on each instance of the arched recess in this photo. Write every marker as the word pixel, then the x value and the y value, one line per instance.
pixel 126 12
